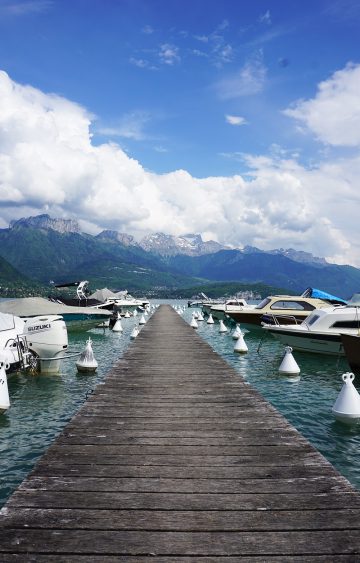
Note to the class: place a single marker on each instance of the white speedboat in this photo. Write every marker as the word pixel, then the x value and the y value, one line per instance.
pixel 38 342
pixel 321 331
pixel 224 310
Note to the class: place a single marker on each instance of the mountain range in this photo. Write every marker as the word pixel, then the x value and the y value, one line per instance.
pixel 44 249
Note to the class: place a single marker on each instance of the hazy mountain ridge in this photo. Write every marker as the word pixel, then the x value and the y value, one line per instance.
pixel 40 251
pixel 158 243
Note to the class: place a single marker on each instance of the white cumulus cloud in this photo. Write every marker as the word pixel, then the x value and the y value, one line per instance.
pixel 49 164
pixel 334 114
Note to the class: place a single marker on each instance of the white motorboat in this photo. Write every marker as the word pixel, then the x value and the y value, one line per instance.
pixel 321 331
pixel 224 310
pixel 38 342
pixel 76 318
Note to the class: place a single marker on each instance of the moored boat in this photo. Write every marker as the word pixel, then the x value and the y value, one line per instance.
pixel 322 331
pixel 38 342
pixel 76 318
pixel 222 311
pixel 284 309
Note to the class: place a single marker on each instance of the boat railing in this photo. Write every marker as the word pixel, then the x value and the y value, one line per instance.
pixel 276 318
pixel 25 356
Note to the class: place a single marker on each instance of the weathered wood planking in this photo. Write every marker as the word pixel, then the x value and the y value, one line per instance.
pixel 175 458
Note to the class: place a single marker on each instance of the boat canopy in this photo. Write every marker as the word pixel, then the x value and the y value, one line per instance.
pixel 103 294
pixel 319 294
pixel 37 306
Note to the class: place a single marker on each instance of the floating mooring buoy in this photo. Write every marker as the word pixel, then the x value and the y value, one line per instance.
pixel 222 327
pixel 288 364
pixel 240 345
pixel 347 406
pixel 210 320
pixel 4 391
pixel 117 326
pixel 135 331
pixel 237 332
pixel 87 362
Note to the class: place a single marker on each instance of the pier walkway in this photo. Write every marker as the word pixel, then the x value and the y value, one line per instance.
pixel 175 459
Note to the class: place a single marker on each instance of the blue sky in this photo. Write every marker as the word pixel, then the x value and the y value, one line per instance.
pixel 243 112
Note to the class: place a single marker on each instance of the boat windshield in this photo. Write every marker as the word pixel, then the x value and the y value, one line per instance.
pixel 354 301
pixel 263 303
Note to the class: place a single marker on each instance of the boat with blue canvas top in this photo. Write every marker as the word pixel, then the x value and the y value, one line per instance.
pixel 284 309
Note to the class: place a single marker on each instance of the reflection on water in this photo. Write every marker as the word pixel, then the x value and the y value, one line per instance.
pixel 42 405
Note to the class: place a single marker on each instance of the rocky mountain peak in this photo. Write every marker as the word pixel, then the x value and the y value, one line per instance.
pixel 114 236
pixel 170 245
pixel 44 221
pixel 300 256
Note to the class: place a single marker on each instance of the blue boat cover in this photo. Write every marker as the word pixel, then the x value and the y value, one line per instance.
pixel 319 294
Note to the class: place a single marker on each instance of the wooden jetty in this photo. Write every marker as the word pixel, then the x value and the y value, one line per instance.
pixel 174 458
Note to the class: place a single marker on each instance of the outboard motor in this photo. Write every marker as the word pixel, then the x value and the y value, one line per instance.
pixel 47 339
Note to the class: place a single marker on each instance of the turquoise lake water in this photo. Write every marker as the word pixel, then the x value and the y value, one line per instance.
pixel 42 405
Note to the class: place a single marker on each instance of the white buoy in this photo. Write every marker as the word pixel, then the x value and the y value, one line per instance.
pixel 117 326
pixel 196 315
pixel 193 322
pixel 127 315
pixel 4 391
pixel 210 320
pixel 86 361
pixel 135 331
pixel 347 406
pixel 142 320
pixel 288 364
pixel 135 313
pixel 237 332
pixel 222 327
pixel 240 345
pixel 200 317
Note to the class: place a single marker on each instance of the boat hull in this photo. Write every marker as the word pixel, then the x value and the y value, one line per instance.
pixel 83 322
pixel 318 343
pixel 351 344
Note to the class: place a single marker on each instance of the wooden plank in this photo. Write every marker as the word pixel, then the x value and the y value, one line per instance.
pixel 187 520
pixel 49 558
pixel 112 542
pixel 182 501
